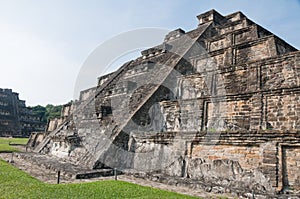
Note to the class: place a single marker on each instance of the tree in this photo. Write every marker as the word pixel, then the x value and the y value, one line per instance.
pixel 40 111
pixel 53 111
pixel 48 112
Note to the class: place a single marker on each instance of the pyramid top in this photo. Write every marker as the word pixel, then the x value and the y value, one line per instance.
pixel 216 17
pixel 211 16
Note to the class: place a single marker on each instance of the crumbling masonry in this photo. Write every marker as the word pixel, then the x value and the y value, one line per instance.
pixel 16 119
pixel 218 105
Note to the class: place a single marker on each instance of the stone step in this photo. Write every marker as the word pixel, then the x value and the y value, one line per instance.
pixel 67 169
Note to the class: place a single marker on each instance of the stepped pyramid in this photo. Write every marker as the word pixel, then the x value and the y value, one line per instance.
pixel 218 102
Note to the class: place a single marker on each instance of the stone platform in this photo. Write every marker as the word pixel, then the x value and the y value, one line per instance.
pixel 68 170
pixel 45 169
pixel 48 175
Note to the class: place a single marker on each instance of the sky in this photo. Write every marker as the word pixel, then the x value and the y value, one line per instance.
pixel 44 44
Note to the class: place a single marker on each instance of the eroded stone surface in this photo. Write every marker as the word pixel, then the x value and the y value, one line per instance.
pixel 217 106
pixel 16 119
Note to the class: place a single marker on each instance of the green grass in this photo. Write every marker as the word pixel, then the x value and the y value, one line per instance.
pixel 17 184
pixel 5 147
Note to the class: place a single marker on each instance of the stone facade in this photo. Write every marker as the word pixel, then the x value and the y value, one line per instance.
pixel 37 137
pixel 54 123
pixel 15 118
pixel 218 104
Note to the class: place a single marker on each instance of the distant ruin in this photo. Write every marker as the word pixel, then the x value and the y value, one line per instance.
pixel 217 107
pixel 16 119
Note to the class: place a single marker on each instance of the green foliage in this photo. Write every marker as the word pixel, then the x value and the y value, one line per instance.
pixel 53 111
pixel 17 184
pixel 39 111
pixel 48 112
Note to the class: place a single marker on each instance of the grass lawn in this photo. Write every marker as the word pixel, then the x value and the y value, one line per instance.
pixel 4 143
pixel 18 184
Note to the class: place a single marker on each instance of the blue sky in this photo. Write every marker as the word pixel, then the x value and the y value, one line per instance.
pixel 43 44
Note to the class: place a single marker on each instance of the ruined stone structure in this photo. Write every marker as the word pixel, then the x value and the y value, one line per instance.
pixel 38 136
pixel 15 118
pixel 218 105
pixel 54 123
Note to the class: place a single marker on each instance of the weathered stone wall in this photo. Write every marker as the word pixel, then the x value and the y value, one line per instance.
pixel 86 94
pixel 262 158
pixel 15 118
pixel 250 163
pixel 35 139
pixel 218 104
pixel 290 166
pixel 54 123
pixel 275 107
pixel 66 111
pixel 249 157
pixel 283 111
pixel 265 161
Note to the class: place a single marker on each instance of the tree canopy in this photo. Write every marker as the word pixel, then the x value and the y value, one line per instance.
pixel 48 112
